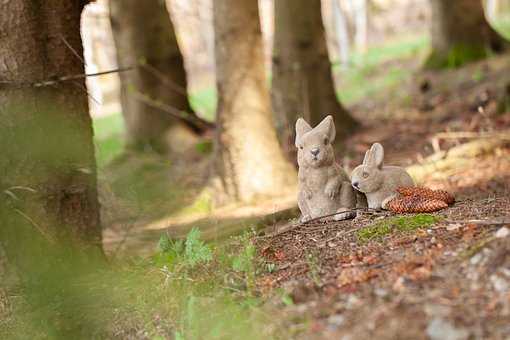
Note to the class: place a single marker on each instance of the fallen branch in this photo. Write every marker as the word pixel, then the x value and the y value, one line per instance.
pixel 197 124
pixel 472 135
pixel 453 157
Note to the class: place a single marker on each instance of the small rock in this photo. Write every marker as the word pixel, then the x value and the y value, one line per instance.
pixel 502 232
pixel 436 310
pixel 476 259
pixel 336 320
pixel 453 226
pixel 440 329
pixel 499 283
pixel 399 284
pixel 352 302
pixel 380 292
pixel 505 272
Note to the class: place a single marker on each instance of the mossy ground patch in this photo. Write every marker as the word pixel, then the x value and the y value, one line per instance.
pixel 379 230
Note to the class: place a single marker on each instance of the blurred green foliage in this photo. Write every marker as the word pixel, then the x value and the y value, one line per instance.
pixel 364 77
pixel 188 290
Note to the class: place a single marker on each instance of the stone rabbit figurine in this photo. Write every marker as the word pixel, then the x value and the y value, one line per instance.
pixel 324 187
pixel 377 181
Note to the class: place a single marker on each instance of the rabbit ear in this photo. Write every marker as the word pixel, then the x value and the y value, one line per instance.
pixel 302 127
pixel 367 158
pixel 377 155
pixel 327 126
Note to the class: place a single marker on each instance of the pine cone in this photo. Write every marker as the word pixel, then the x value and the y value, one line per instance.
pixel 415 204
pixel 441 195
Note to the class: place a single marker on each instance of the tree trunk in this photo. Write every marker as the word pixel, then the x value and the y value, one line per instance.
pixel 302 80
pixel 48 189
pixel 342 34
pixel 249 161
pixel 145 39
pixel 460 34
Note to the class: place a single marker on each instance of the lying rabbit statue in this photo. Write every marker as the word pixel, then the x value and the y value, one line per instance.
pixel 378 182
pixel 324 187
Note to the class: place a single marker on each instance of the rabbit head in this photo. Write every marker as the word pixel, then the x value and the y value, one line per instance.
pixel 314 146
pixel 368 176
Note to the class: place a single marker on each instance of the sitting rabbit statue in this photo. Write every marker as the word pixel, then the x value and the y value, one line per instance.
pixel 324 187
pixel 377 181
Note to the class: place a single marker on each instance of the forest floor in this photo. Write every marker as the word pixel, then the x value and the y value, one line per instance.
pixel 439 276
pixel 444 275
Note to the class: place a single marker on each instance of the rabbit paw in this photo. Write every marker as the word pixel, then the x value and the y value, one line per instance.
pixel 344 214
pixel 331 191
pixel 305 218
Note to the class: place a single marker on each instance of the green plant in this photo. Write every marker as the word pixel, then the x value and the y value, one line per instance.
pixel 380 229
pixel 244 261
pixel 270 267
pixel 188 252
pixel 312 261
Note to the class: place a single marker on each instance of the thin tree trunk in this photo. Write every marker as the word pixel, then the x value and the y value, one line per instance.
pixel 145 39
pixel 342 33
pixel 48 190
pixel 361 22
pixel 249 161
pixel 460 34
pixel 302 80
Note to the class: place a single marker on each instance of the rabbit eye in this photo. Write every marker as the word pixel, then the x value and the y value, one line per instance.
pixel 326 141
pixel 364 174
pixel 301 147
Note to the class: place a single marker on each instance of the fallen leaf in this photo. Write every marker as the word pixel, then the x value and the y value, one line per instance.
pixel 355 275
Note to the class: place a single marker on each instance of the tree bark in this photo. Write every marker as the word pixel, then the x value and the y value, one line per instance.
pixel 460 34
pixel 248 160
pixel 48 192
pixel 302 80
pixel 145 39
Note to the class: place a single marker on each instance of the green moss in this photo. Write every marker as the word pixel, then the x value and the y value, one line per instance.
pixel 457 56
pixel 378 230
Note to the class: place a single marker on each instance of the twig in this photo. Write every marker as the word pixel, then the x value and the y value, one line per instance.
pixel 293 226
pixel 174 112
pixel 57 80
pixel 84 89
pixel 480 222
pixel 471 135
pixel 77 55
pixel 337 213
pixel 164 79
pixel 32 222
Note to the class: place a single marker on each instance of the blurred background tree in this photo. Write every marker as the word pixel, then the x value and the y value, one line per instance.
pixel 248 159
pixel 154 94
pixel 460 33
pixel 302 81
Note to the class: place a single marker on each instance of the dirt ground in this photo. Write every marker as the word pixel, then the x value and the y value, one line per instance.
pixel 447 280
